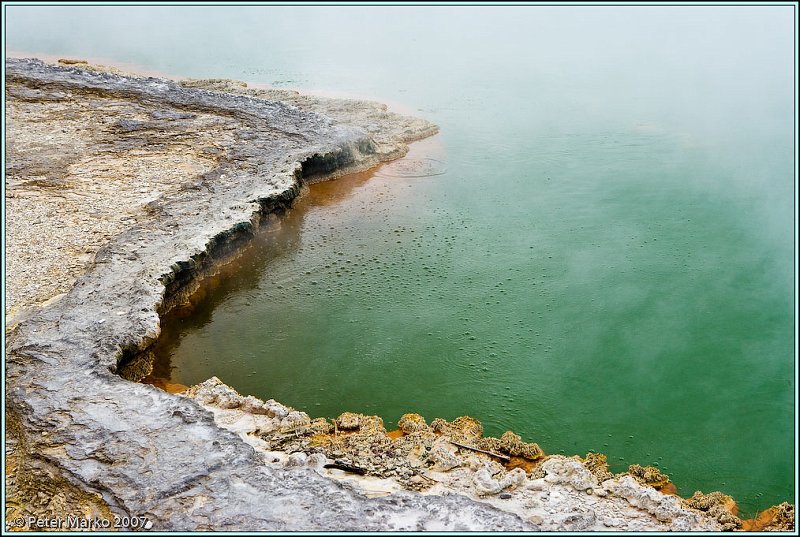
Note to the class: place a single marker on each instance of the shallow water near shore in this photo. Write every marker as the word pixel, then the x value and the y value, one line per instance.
pixel 602 258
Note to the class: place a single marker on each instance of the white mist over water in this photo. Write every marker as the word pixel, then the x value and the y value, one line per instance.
pixel 626 172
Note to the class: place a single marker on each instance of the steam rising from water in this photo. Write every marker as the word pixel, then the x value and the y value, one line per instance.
pixel 608 252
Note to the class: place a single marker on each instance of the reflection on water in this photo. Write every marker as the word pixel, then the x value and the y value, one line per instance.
pixel 281 241
pixel 274 242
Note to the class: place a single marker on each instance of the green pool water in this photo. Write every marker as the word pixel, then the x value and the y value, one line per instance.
pixel 606 263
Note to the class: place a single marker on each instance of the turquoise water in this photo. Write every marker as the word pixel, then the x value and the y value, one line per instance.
pixel 606 264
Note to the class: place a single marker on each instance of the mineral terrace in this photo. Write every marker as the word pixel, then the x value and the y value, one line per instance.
pixel 122 194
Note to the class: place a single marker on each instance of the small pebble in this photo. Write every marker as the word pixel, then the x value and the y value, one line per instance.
pixel 505 495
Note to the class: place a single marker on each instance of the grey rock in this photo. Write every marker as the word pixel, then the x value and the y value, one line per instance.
pixel 577 521
pixel 567 471
pixel 297 459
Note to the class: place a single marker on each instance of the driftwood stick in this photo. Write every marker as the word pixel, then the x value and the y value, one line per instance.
pixel 341 465
pixel 493 454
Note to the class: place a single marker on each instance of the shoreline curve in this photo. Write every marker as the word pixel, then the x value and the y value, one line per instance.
pixel 102 445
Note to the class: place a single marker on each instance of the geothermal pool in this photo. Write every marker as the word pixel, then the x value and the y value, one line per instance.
pixel 599 255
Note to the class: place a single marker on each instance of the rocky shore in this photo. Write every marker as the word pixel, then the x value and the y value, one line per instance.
pixel 550 493
pixel 124 192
